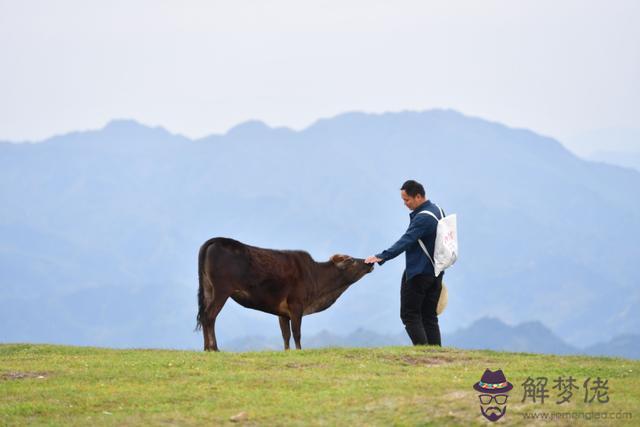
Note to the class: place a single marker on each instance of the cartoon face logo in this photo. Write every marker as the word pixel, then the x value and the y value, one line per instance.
pixel 493 388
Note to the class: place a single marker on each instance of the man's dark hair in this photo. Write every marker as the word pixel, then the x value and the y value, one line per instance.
pixel 413 188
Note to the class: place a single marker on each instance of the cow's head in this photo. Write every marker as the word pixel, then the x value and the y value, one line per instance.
pixel 352 269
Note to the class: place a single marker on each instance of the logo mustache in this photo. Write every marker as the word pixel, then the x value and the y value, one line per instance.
pixel 493 413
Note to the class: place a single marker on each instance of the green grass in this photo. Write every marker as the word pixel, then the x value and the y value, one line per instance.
pixel 59 385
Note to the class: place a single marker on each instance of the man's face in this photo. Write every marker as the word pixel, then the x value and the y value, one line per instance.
pixel 411 202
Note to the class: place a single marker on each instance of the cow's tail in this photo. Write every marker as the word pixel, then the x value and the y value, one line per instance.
pixel 201 302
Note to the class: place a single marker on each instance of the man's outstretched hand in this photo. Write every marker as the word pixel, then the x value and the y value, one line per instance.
pixel 372 259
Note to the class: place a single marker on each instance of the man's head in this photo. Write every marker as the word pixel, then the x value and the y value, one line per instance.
pixel 412 193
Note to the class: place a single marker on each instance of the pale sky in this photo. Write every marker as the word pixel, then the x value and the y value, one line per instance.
pixel 557 67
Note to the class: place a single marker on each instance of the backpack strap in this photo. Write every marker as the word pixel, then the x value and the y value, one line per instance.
pixel 424 248
pixel 431 213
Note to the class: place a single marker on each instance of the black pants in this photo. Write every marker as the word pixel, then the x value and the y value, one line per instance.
pixel 418 301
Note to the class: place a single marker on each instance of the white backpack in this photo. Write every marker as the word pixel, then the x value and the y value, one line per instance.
pixel 445 252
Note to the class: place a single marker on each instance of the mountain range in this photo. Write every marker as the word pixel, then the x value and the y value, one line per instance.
pixel 485 333
pixel 99 230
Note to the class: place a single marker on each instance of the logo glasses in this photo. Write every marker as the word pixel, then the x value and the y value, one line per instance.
pixel 500 399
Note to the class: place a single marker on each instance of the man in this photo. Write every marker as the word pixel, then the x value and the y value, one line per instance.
pixel 420 290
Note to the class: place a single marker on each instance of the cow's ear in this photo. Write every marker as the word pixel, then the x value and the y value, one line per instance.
pixel 339 260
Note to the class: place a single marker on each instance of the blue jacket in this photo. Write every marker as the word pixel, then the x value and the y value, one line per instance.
pixel 421 227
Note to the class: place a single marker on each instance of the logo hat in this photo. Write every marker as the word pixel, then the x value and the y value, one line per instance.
pixel 493 383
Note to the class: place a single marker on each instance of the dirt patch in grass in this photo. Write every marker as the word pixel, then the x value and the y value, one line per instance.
pixel 427 360
pixel 459 394
pixel 23 375
pixel 294 365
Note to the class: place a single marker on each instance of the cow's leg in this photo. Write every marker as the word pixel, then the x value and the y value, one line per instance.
pixel 285 327
pixel 213 309
pixel 296 323
pixel 205 334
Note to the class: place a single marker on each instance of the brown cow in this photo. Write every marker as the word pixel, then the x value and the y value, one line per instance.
pixel 289 284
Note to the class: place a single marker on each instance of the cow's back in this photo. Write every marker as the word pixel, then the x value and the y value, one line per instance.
pixel 263 279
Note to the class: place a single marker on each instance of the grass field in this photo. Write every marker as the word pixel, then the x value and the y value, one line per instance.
pixel 59 385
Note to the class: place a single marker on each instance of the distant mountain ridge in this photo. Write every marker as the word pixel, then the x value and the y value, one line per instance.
pixel 620 158
pixel 484 334
pixel 99 241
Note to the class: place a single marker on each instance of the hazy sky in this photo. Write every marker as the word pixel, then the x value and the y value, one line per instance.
pixel 199 67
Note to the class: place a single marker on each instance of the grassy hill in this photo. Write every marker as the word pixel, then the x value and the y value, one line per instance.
pixel 59 385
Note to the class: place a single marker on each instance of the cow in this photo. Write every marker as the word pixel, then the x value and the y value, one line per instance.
pixel 288 284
